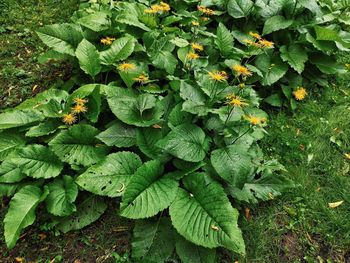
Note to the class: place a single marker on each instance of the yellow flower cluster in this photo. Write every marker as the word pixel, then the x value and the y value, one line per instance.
pixel 300 93
pixel 195 47
pixel 161 8
pixel 107 41
pixel 205 10
pixel 125 66
pixel 219 76
pixel 235 101
pixel 142 78
pixel 254 120
pixel 241 70
pixel 79 107
pixel 258 42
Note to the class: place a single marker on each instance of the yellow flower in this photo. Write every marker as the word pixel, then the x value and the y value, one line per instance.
pixel 206 10
pixel 241 70
pixel 192 55
pixel 79 108
pixel 218 75
pixel 300 93
pixel 69 118
pixel 107 41
pixel 204 19
pixel 263 43
pixel 197 46
pixel 251 43
pixel 161 8
pixel 125 66
pixel 141 78
pixel 194 23
pixel 255 35
pixel 254 120
pixel 347 155
pixel 80 101
pixel 234 101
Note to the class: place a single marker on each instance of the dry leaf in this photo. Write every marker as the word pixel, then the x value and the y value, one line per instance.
pixel 247 213
pixel 215 228
pixel 19 259
pixel 156 126
pixel 335 204
pixel 42 236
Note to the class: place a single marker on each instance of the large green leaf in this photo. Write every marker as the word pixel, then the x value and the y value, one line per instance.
pixel 203 215
pixel 272 67
pixel 131 108
pixel 44 128
pixel 146 139
pixel 17 118
pixel 97 21
pixel 239 8
pixel 153 241
pixel 37 161
pixel 110 176
pixel 89 58
pixel 61 197
pixel 149 191
pixel 187 142
pixel 118 134
pixel 164 60
pixel 129 14
pixel 233 164
pixel 326 64
pixel 195 101
pixel 78 146
pixel 191 253
pixel 121 49
pixel 21 212
pixel 62 38
pixel 88 211
pixel 9 141
pixel 10 172
pixel 295 55
pixel 276 23
pixel 224 40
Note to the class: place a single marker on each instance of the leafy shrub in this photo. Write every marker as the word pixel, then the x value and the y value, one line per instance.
pixel 164 115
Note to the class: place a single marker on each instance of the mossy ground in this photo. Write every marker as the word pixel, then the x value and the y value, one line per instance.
pixel 311 142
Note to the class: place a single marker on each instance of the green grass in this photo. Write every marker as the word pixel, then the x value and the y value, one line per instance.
pixel 311 144
pixel 297 227
pixel 20 47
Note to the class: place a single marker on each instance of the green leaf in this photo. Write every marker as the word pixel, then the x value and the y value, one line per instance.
pixel 177 116
pixel 326 64
pixel 10 172
pixel 148 191
pixel 110 176
pixel 73 148
pixel 89 59
pixel 187 142
pixel 9 141
pixel 164 60
pixel 146 139
pixel 195 101
pixel 87 212
pixel 21 213
pixel 97 21
pixel 118 134
pixel 190 253
pixel 44 128
pixel 203 215
pixel 62 38
pixel 272 67
pixel 37 161
pixel 61 197
pixel 18 118
pixel 295 55
pixel 133 109
pixel 276 23
pixel 152 241
pixel 239 8
pixel 233 164
pixel 224 40
pixel 121 49
pixel 129 14
pixel 274 100
pixel 8 189
pixel 327 33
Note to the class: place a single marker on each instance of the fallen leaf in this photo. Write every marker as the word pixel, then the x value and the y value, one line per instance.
pixel 19 259
pixel 247 213
pixel 156 126
pixel 335 204
pixel 42 236
pixel 215 228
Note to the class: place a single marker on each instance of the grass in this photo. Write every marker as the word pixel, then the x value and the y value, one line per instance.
pixel 20 74
pixel 297 227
